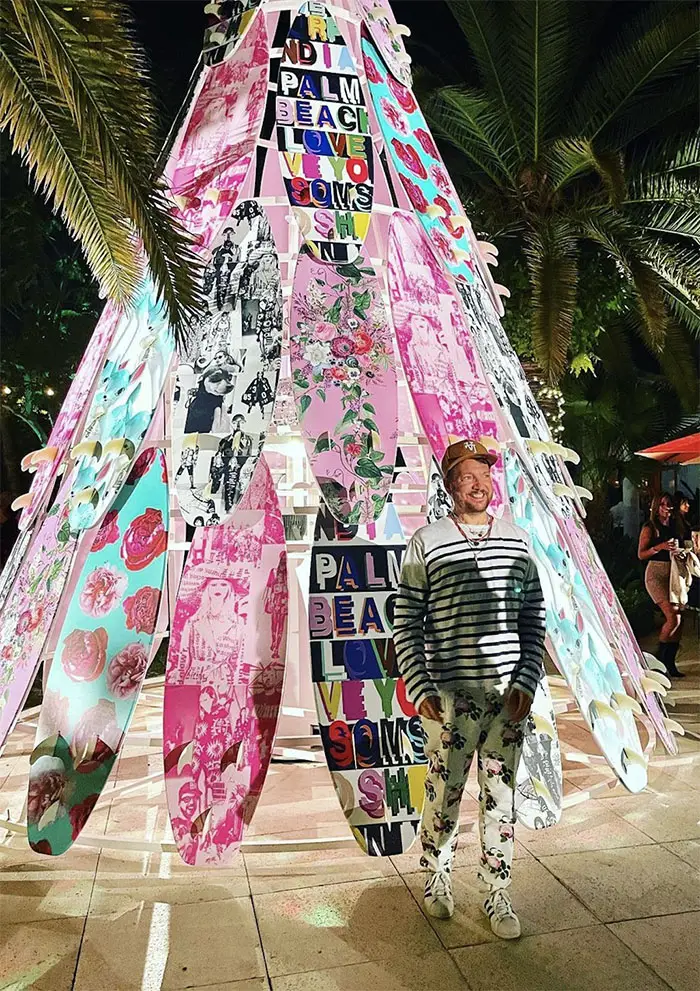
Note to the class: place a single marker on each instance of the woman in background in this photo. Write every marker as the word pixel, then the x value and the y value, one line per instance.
pixel 658 538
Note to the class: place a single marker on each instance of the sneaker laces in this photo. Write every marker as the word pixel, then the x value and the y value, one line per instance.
pixel 439 884
pixel 501 906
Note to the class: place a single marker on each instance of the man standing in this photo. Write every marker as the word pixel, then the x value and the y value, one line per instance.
pixel 469 633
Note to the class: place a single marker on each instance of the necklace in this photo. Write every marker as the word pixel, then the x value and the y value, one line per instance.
pixel 474 542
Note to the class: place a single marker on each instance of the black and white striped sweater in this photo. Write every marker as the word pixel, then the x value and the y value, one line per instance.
pixel 468 618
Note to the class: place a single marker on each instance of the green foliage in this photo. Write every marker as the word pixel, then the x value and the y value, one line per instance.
pixel 553 123
pixel 74 103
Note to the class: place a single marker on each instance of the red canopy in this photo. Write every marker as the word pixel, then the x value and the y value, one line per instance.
pixel 682 451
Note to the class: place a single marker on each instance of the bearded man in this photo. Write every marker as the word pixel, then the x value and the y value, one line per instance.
pixel 469 633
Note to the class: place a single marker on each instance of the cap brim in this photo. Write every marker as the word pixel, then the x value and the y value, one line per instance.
pixel 488 457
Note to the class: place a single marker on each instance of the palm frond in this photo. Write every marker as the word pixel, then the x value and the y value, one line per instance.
pixel 541 43
pixel 49 144
pixel 84 58
pixel 483 23
pixel 567 159
pixel 642 61
pixel 473 124
pixel 552 259
pixel 677 361
pixel 683 310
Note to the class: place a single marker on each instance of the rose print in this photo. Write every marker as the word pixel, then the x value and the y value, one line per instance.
pixel 141 465
pixel 79 814
pixel 126 671
pixel 29 619
pixel 403 95
pixel 100 720
pixel 394 117
pixel 84 654
pixel 442 244
pixel 427 143
pixel 144 540
pixel 410 158
pixel 342 347
pixel 441 179
pixel 371 70
pixel 102 590
pixel 492 766
pixel 141 610
pixel 108 532
pixel 44 790
pixel 414 193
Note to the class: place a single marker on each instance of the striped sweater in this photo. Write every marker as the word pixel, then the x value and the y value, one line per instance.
pixel 468 618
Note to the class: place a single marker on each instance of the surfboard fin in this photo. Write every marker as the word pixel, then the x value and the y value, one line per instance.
pixel 434 211
pixel 564 491
pixel 600 710
pixel 87 449
pixel 582 492
pixel 651 686
pixel 625 702
pixel 84 496
pixel 46 454
pixel 399 30
pixel 21 502
pixel 655 666
pixel 502 290
pixel 630 756
pixel 543 725
pixel 673 726
pixel 660 677
pixel 120 447
pixel 541 789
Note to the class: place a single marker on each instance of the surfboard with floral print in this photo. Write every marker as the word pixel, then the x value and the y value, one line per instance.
pixel 102 654
pixel 345 385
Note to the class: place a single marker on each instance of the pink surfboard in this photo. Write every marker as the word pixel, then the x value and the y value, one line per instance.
pixel 50 460
pixel 628 654
pixel 345 384
pixel 225 675
pixel 213 152
pixel 29 611
pixel 450 392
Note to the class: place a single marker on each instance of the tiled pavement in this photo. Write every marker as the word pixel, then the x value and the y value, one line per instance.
pixel 609 899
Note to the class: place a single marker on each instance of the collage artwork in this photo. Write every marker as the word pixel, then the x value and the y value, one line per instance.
pixel 347 312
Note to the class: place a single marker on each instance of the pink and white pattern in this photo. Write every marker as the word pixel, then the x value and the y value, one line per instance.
pixel 449 389
pixel 225 675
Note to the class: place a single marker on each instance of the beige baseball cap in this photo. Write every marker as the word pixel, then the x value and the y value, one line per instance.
pixel 463 450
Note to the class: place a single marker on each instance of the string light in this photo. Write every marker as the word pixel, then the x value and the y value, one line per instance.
pixel 6 390
pixel 49 391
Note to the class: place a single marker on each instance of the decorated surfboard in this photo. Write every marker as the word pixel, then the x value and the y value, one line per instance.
pixel 227 378
pixel 345 386
pixel 372 736
pixel 214 150
pixel 576 638
pixel 386 35
pixel 102 654
pixel 324 138
pixel 122 408
pixel 538 781
pixel 450 392
pixel 648 685
pixel 538 798
pixel 13 564
pixel 29 611
pixel 227 22
pixel 413 152
pixel 225 676
pixel 50 460
pixel 528 427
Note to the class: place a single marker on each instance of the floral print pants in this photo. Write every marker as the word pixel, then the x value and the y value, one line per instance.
pixel 473 722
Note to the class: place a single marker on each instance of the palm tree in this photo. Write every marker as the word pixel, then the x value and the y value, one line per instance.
pixel 571 129
pixel 74 101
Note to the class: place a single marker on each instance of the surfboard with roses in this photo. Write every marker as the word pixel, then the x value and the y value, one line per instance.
pixel 345 384
pixel 224 677
pixel 386 34
pixel 102 654
pixel 371 733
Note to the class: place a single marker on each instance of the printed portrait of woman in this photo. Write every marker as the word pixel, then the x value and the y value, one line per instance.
pixel 211 637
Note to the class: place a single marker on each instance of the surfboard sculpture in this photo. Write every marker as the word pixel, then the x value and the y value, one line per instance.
pixel 300 124
pixel 371 733
pixel 102 655
pixel 224 676
pixel 227 379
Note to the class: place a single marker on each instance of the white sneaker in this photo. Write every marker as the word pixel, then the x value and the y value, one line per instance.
pixel 504 922
pixel 438 896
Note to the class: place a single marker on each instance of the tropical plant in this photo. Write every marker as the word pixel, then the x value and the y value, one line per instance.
pixel 74 100
pixel 571 130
